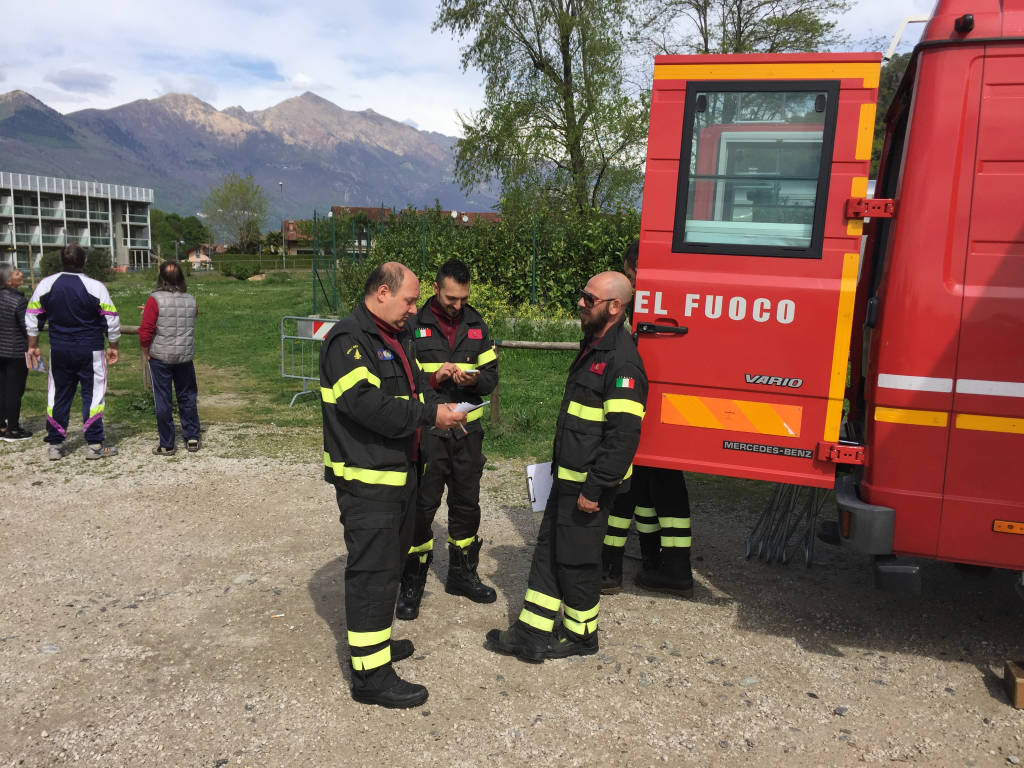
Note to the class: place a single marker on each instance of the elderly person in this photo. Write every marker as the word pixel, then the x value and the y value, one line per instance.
pixel 167 338
pixel 13 346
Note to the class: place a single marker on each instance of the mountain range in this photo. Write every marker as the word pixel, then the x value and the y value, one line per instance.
pixel 306 153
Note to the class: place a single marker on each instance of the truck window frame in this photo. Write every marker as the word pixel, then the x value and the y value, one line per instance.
pixel 814 246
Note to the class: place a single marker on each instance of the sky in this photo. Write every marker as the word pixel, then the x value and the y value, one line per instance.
pixel 359 54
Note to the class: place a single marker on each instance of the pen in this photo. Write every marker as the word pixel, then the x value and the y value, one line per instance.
pixel 462 427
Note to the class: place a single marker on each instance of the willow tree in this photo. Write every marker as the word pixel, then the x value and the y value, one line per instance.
pixel 559 126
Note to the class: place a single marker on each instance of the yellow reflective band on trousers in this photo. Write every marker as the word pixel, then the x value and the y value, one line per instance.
pixel 346 382
pixel 614 541
pixel 581 622
pixel 648 512
pixel 368 476
pixel 544 601
pixel 420 548
pixel 462 543
pixel 537 622
pixel 618 522
pixel 474 415
pixel 621 405
pixel 681 542
pixel 366 639
pixel 647 527
pixel 674 522
pixel 584 412
pixel 571 475
pixel 486 357
pixel 373 660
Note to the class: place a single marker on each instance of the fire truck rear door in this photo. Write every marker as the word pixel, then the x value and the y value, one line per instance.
pixel 745 243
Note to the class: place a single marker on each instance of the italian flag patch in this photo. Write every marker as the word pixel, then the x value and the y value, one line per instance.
pixel 422 333
pixel 625 382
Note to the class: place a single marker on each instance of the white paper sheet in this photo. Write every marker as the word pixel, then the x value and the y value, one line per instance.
pixel 538 485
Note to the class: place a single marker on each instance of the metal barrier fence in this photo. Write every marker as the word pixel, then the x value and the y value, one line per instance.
pixel 300 351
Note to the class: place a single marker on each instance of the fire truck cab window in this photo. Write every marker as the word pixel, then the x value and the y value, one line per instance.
pixel 751 172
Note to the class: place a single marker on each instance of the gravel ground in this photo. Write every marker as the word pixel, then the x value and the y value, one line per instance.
pixel 188 612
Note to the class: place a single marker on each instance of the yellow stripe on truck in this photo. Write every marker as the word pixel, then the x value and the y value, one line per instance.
pixel 779 70
pixel 841 346
pixel 733 415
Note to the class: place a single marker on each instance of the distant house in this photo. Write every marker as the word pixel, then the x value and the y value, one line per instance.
pixel 294 242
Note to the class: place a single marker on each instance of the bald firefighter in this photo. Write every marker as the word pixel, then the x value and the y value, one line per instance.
pixel 375 401
pixel 596 435
pixel 453 346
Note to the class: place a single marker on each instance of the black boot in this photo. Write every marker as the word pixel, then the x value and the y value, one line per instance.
pixel 521 643
pixel 611 570
pixel 384 688
pixel 462 578
pixel 410 591
pixel 563 645
pixel 674 576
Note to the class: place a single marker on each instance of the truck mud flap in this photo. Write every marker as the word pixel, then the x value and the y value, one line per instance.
pixel 865 528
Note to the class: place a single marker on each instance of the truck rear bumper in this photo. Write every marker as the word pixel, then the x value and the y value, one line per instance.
pixel 863 527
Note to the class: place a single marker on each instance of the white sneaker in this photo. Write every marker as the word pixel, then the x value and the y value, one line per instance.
pixel 55 452
pixel 99 451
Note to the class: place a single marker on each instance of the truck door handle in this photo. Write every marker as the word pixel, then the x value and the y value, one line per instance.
pixel 655 328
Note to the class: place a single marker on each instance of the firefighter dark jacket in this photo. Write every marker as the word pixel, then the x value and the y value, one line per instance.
pixel 473 350
pixel 369 416
pixel 598 427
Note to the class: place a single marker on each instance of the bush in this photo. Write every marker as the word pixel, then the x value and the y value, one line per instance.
pixel 240 271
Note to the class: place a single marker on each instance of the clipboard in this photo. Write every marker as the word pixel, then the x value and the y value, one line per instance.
pixel 538 485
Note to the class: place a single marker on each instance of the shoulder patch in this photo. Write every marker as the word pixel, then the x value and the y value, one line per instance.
pixel 354 353
pixel 625 382
pixel 598 368
pixel 423 333
pixel 385 354
pixel 475 333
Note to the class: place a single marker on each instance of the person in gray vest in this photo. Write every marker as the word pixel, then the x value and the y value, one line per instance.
pixel 167 338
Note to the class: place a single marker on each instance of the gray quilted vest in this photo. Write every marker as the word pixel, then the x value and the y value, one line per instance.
pixel 174 340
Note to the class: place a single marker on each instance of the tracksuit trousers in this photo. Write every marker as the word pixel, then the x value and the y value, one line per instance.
pixel 455 462
pixel 68 370
pixel 183 378
pixel 377 537
pixel 566 568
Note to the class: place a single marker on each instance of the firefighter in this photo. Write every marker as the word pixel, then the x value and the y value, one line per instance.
pixel 453 346
pixel 596 435
pixel 659 501
pixel 373 409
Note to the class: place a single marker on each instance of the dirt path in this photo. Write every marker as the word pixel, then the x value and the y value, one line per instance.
pixel 187 612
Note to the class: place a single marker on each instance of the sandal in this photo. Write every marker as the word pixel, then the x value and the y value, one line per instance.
pixel 161 451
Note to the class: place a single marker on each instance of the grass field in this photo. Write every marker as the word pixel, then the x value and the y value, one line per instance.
pixel 238 364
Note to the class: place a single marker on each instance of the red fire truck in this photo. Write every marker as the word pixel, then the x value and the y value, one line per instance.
pixel 786 340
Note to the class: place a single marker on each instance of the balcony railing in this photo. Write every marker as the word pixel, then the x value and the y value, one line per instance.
pixel 139 242
pixel 6 239
pixel 82 240
pixel 52 213
pixel 26 210
pixel 99 215
pixel 134 218
pixel 53 239
pixel 104 241
pixel 6 209
pixel 74 213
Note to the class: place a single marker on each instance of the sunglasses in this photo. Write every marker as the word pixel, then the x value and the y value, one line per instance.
pixel 589 299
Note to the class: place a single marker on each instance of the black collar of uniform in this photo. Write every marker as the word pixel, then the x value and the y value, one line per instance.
pixel 366 322
pixel 608 340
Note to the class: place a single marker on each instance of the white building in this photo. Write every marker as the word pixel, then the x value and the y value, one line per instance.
pixel 43 212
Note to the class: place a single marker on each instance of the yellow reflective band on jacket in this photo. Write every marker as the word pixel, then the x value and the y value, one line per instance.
pixel 94 411
pixel 421 398
pixel 474 415
pixel 346 382
pixel 614 541
pixel 108 308
pixel 647 527
pixel 585 412
pixel 430 367
pixel 466 366
pixel 34 305
pixel 676 541
pixel 368 476
pixel 544 601
pixel 618 522
pixel 425 547
pixel 366 639
pixel 629 474
pixel 537 622
pixel 401 397
pixel 462 543
pixel 621 405
pixel 571 475
pixel 674 522
pixel 645 512
pixel 486 357
pixel 374 660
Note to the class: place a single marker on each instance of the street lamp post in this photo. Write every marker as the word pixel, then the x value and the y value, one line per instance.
pixel 176 244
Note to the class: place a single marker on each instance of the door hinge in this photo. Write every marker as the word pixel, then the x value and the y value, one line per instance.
pixel 841 453
pixel 870 208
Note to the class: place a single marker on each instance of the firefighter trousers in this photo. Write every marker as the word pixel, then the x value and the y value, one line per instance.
pixel 566 567
pixel 456 463
pixel 377 537
pixel 659 500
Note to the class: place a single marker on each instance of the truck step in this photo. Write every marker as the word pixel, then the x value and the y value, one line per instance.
pixel 893 574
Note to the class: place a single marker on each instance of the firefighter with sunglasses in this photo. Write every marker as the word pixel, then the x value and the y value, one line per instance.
pixel 596 435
